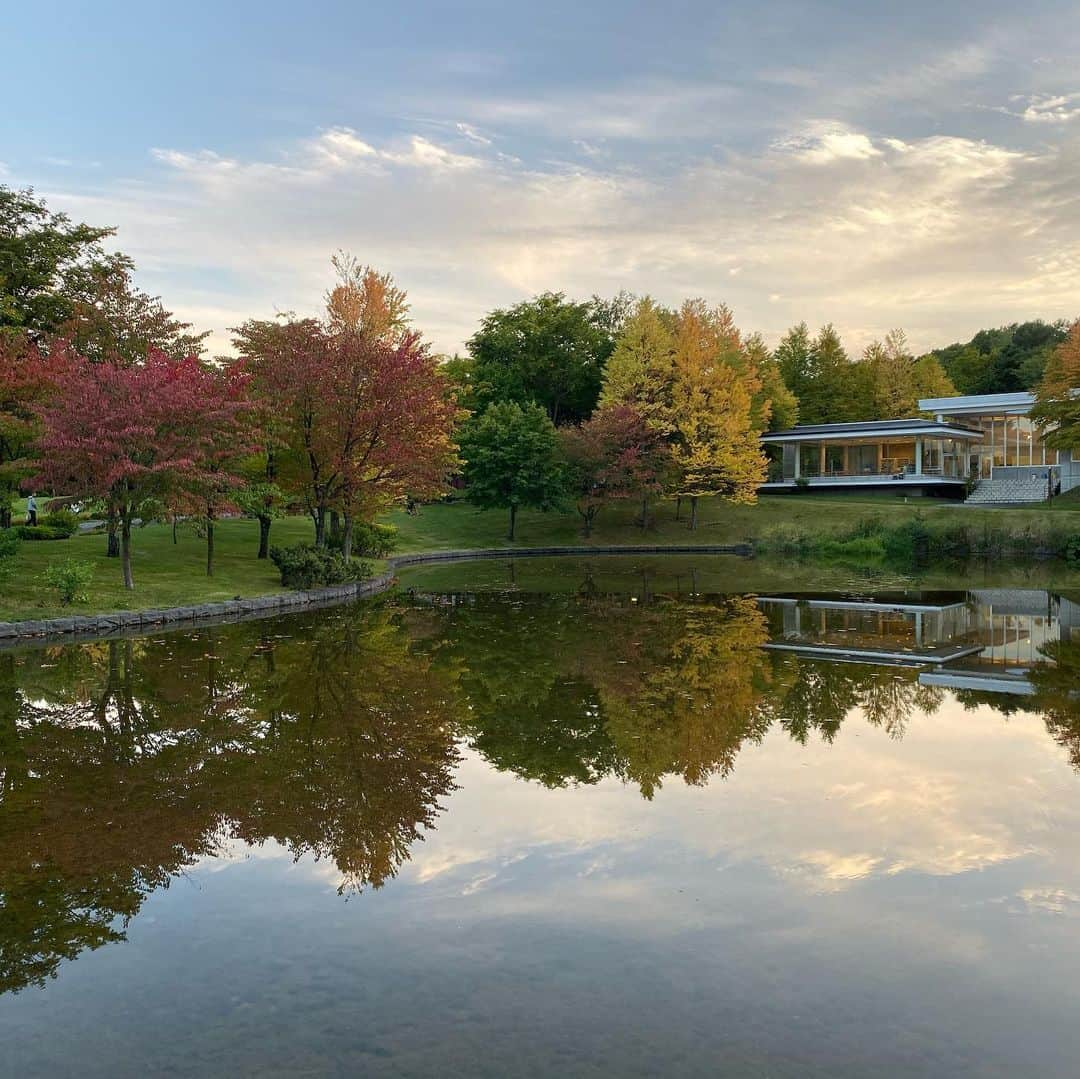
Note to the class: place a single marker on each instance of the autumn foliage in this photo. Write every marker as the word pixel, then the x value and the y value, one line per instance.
pixel 135 436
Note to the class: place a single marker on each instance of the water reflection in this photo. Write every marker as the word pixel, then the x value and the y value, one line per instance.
pixel 339 736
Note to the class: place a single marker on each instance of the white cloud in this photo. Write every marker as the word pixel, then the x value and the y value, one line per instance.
pixel 940 234
pixel 469 132
pixel 1051 108
pixel 824 142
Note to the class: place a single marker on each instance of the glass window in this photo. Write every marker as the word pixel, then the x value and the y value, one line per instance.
pixel 863 459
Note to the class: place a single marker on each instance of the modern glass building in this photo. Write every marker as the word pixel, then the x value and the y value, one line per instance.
pixel 988 439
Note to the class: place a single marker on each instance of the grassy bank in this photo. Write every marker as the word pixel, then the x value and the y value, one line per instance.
pixel 168 575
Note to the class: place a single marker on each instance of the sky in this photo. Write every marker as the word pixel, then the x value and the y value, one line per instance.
pixel 867 164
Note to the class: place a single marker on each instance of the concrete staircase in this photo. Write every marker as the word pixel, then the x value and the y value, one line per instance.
pixel 1009 491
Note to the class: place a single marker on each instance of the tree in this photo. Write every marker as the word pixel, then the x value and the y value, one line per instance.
pixel 47 265
pixel 1002 360
pixel 716 449
pixel 136 435
pixel 365 302
pixel 27 378
pixel 614 454
pixel 641 369
pixel 796 360
pixel 357 411
pixel 776 408
pixel 930 380
pixel 549 351
pixel 1057 404
pixel 391 422
pixel 900 380
pixel 512 460
pixel 118 322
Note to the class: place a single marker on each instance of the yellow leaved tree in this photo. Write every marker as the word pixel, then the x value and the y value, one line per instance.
pixel 714 385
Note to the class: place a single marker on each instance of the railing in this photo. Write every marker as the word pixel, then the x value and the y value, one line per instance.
pixel 840 475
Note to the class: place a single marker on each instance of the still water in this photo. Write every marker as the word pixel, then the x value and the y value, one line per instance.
pixel 553 818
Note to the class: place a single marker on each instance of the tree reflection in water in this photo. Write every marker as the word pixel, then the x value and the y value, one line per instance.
pixel 336 735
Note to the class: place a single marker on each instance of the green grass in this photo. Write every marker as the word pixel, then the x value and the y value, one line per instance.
pixel 165 575
pixel 168 575
pixel 448 526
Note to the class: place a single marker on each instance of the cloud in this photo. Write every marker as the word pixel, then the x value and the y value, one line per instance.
pixel 824 142
pixel 941 234
pixel 469 132
pixel 1050 108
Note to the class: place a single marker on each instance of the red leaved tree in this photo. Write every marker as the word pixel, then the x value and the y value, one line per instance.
pixel 614 454
pixel 363 420
pixel 391 423
pixel 134 436
pixel 27 379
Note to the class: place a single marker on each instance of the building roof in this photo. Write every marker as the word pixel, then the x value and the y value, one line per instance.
pixel 976 403
pixel 871 429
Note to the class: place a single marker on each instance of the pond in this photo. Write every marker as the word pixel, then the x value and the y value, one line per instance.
pixel 623 817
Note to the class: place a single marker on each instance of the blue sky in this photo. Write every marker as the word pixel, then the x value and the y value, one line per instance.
pixel 873 165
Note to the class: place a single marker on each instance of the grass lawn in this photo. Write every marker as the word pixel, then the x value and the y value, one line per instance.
pixel 168 575
pixel 448 526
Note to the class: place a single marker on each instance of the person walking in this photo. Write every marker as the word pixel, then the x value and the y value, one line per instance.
pixel 31 510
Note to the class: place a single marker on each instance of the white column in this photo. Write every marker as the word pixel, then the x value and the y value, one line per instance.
pixel 918 457
pixel 798 454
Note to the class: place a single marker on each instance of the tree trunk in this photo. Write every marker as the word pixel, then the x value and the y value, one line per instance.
pixel 125 552
pixel 678 507
pixel 264 537
pixel 112 543
pixel 209 544
pixel 5 516
pixel 644 512
pixel 693 511
pixel 513 521
pixel 320 527
pixel 174 539
pixel 335 526
pixel 346 538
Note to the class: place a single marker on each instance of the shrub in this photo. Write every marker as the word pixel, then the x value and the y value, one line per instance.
pixel 70 578
pixel 369 540
pixel 62 520
pixel 41 532
pixel 304 566
pixel 907 542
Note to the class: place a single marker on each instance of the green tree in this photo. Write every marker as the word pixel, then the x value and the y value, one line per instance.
pixel 776 408
pixel 116 321
pixel 1002 360
pixel 512 460
pixel 795 358
pixel 48 265
pixel 549 351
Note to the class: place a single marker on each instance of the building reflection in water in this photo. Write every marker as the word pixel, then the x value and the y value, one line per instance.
pixel 987 639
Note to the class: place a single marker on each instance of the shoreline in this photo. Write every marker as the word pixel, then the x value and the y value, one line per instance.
pixel 92 627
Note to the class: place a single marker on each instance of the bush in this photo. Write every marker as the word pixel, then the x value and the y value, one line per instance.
pixel 369 540
pixel 62 520
pixel 70 578
pixel 304 566
pixel 41 532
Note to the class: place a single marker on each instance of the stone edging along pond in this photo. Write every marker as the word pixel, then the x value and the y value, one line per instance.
pixel 127 623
